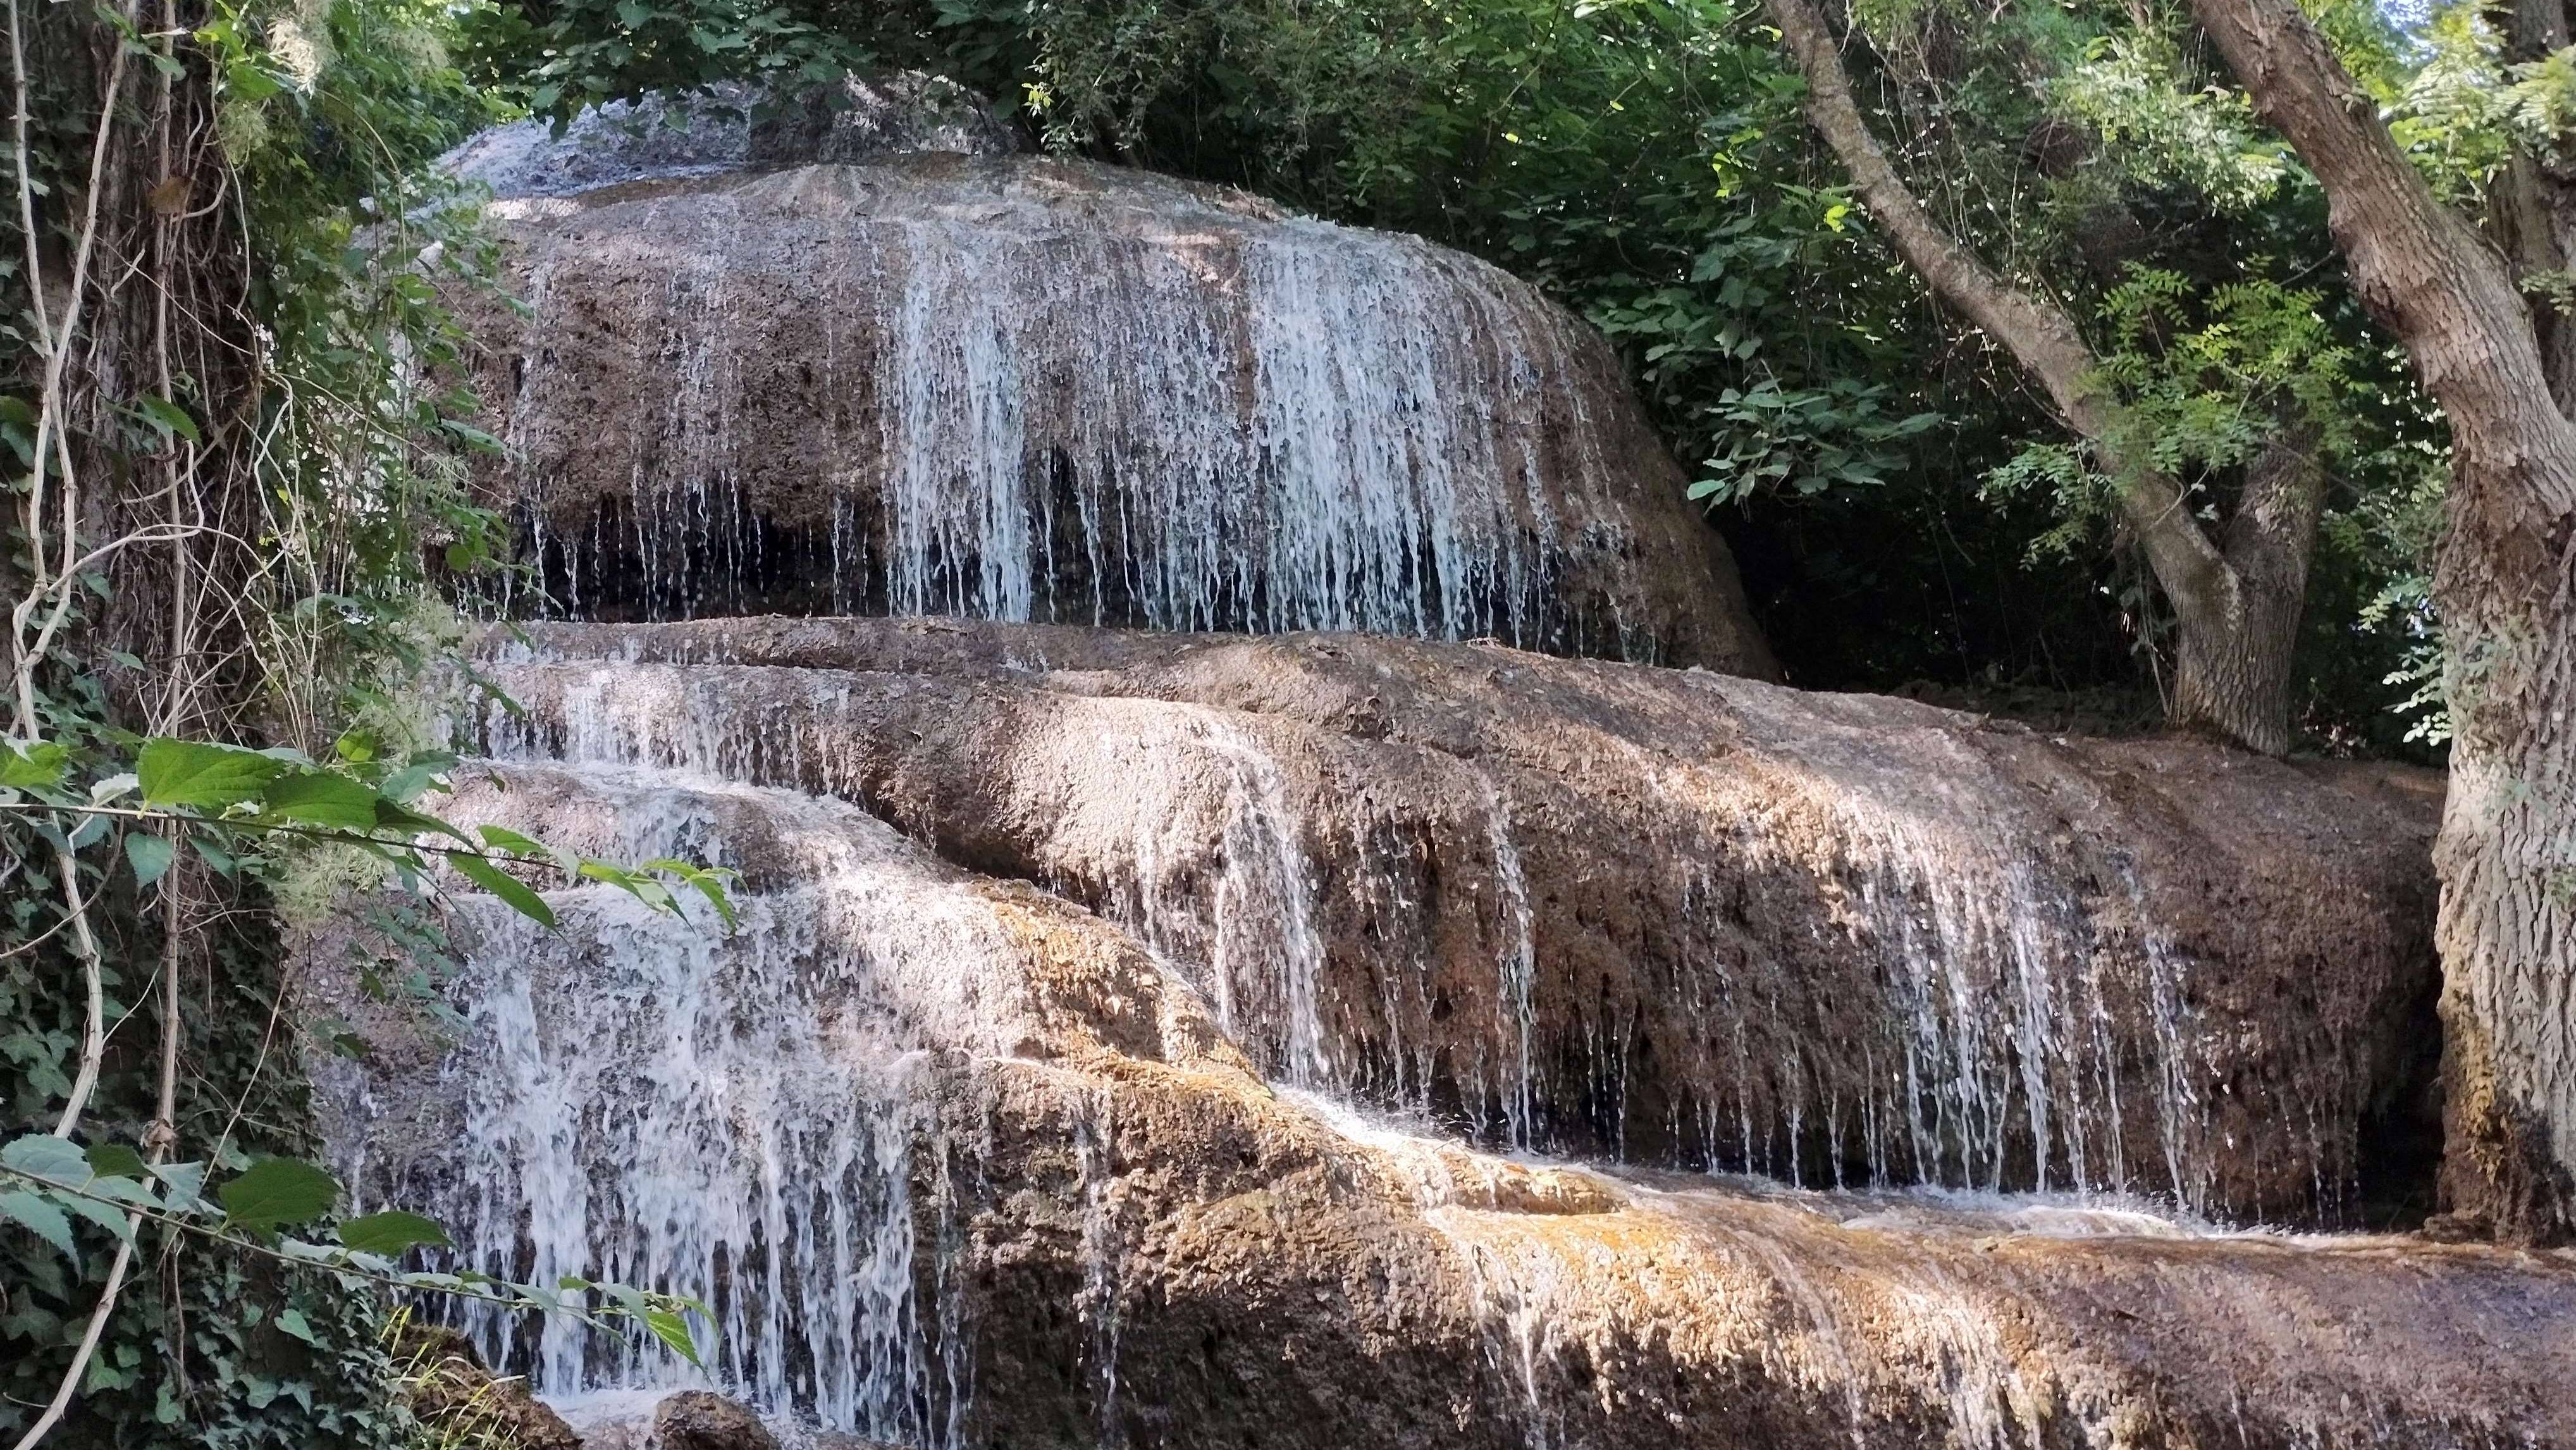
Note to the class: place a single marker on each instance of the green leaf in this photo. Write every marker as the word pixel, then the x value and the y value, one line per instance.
pixel 278 1191
pixel 123 1190
pixel 709 882
pixel 192 773
pixel 397 816
pixel 169 417
pixel 216 856
pixel 115 1160
pixel 42 1155
pixel 406 784
pixel 248 83
pixel 502 838
pixel 182 1182
pixel 391 1232
pixel 321 798
pixel 503 885
pixel 41 1216
pixel 98 1213
pixel 148 854
pixel 673 1329
pixel 26 764
pixel 290 1320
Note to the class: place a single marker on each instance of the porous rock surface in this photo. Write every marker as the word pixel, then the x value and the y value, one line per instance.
pixel 1121 1234
pixel 1662 917
pixel 1017 388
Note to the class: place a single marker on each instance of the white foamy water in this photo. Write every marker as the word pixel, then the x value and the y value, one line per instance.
pixel 650 1100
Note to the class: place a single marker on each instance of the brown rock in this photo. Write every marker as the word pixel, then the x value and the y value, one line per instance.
pixel 702 1420
pixel 1117 1232
pixel 1654 916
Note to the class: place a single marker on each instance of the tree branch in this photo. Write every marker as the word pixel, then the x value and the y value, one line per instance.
pixel 2422 270
pixel 2041 337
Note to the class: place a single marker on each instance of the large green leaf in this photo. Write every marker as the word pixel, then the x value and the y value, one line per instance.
pixel 278 1191
pixel 290 1320
pixel 319 798
pixel 503 885
pixel 673 1330
pixel 193 773
pixel 29 764
pixel 43 1155
pixel 168 416
pixel 39 1215
pixel 148 854
pixel 394 815
pixel 109 1218
pixel 181 1182
pixel 115 1160
pixel 391 1232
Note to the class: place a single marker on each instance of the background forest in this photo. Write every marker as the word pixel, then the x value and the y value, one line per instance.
pixel 250 409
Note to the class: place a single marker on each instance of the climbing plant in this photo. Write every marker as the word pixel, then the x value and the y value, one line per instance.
pixel 236 489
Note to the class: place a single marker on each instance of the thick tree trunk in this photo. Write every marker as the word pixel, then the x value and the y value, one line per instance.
pixel 2507 852
pixel 2234 671
pixel 2237 629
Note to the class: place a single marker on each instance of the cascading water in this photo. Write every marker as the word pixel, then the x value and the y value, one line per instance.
pixel 774 1121
pixel 735 1148
pixel 1517 966
pixel 653 1100
pixel 901 1094
pixel 1019 390
pixel 2016 1032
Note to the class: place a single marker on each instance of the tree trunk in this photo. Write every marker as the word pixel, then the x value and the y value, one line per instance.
pixel 2234 669
pixel 2507 850
pixel 2237 629
pixel 2531 207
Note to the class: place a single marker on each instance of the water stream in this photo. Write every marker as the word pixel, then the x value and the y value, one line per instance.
pixel 1082 397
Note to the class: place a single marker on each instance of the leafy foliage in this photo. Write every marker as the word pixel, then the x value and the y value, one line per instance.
pixel 247 477
pixel 111 1187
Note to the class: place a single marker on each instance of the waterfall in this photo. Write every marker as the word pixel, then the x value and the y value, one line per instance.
pixel 1014 390
pixel 1071 961
pixel 1516 964
pixel 1955 1011
pixel 652 1100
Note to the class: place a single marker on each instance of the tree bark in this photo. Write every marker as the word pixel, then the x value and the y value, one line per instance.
pixel 2236 638
pixel 2507 850
pixel 2235 667
pixel 2531 210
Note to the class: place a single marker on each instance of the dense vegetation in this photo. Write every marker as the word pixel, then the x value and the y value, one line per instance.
pixel 219 312
pixel 232 489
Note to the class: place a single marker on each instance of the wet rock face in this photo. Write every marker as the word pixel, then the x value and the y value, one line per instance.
pixel 958 1162
pixel 1669 918
pixel 699 1420
pixel 1019 389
